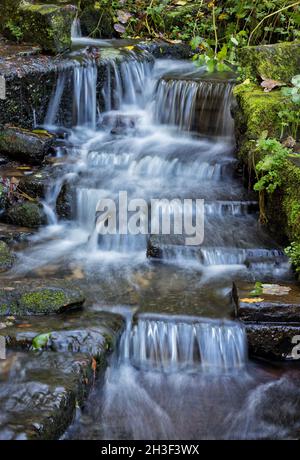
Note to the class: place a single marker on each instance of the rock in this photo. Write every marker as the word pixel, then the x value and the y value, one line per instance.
pixel 271 320
pixel 11 234
pixel 280 61
pixel 272 341
pixel 154 250
pixel 161 49
pixel 22 145
pixel 65 203
pixel 6 257
pixel 79 332
pixel 41 401
pixel 26 214
pixel 47 25
pixel 39 301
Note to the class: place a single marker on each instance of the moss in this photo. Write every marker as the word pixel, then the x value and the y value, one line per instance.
pixel 6 257
pixel 26 215
pixel 45 24
pixel 280 61
pixel 39 301
pixel 258 111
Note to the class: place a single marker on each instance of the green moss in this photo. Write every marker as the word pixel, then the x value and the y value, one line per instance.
pixel 43 300
pixel 279 62
pixel 26 215
pixel 258 111
pixel 6 257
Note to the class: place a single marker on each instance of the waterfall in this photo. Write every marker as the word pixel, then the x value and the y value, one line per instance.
pixel 127 83
pixel 201 106
pixel 76 29
pixel 85 96
pixel 184 344
pixel 53 108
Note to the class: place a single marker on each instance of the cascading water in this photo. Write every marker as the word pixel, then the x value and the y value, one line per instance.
pixel 173 376
pixel 161 344
pixel 204 105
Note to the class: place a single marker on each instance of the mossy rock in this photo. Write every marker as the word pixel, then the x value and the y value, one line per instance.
pixel 89 20
pixel 25 145
pixel 39 301
pixel 257 111
pixel 6 257
pixel 280 61
pixel 26 215
pixel 48 25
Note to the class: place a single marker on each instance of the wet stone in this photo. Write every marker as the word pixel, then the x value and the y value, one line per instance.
pixel 77 332
pixel 25 145
pixel 39 393
pixel 27 214
pixel 50 299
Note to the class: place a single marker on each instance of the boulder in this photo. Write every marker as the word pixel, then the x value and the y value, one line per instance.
pixel 48 25
pixel 280 61
pixel 273 341
pixel 46 300
pixel 41 401
pixel 27 214
pixel 23 145
pixel 6 257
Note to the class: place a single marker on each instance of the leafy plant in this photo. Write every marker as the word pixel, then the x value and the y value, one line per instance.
pixel 293 253
pixel 269 168
pixel 293 92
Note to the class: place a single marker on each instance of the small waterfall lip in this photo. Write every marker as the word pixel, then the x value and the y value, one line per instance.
pixel 156 342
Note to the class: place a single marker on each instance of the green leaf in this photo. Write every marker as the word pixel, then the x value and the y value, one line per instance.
pixel 234 41
pixel 195 42
pixel 41 341
pixel 222 53
pixel 296 81
pixel 210 66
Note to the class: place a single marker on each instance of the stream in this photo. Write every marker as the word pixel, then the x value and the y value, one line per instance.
pixel 181 369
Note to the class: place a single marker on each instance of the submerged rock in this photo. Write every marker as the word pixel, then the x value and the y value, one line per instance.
pixel 6 257
pixel 39 301
pixel 23 145
pixel 26 214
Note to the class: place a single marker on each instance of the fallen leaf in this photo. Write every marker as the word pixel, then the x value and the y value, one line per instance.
pixel 24 325
pixel 275 289
pixel 123 16
pixel 119 28
pixel 253 300
pixel 129 47
pixel 268 84
pixel 289 142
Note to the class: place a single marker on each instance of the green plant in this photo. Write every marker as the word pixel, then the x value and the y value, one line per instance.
pixel 14 29
pixel 268 169
pixel 293 91
pixel 293 253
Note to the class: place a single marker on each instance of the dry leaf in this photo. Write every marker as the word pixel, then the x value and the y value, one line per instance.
pixel 268 84
pixel 253 300
pixel 275 289
pixel 24 325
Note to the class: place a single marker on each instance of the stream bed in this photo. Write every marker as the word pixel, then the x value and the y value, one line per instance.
pixel 181 368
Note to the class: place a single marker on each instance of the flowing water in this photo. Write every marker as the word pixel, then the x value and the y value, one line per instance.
pixel 164 130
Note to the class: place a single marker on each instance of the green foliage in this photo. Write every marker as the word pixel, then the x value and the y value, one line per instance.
pixel 290 118
pixel 293 92
pixel 258 289
pixel 269 168
pixel 293 253
pixel 14 29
